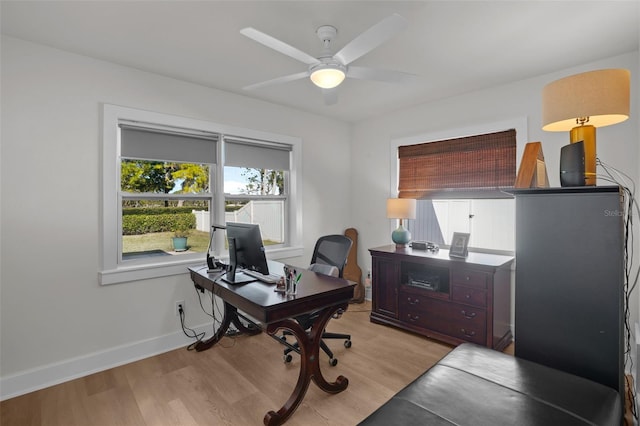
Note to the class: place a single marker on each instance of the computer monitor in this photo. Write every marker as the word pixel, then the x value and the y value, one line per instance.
pixel 246 251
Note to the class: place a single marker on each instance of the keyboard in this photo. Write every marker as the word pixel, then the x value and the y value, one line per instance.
pixel 270 279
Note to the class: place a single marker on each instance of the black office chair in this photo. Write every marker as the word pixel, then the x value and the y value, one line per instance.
pixel 329 258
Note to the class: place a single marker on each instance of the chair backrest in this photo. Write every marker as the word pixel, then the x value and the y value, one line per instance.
pixel 324 269
pixel 332 250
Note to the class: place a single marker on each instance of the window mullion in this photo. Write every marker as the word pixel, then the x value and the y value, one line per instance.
pixel 163 196
pixel 245 197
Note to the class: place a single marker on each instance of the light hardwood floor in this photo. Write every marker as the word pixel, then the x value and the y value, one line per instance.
pixel 236 383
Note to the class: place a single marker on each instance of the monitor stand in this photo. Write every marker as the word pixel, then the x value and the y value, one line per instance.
pixel 233 276
pixel 237 278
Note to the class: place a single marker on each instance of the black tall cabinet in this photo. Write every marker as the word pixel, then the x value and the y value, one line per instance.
pixel 569 291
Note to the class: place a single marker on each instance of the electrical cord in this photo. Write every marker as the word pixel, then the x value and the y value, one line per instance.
pixel 621 179
pixel 212 314
pixel 216 313
pixel 189 332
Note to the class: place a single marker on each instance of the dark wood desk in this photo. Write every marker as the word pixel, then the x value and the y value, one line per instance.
pixel 275 311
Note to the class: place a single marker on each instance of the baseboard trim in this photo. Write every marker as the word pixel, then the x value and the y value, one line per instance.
pixel 60 372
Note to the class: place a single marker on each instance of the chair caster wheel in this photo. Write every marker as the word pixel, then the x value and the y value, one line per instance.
pixel 333 362
pixel 347 343
pixel 287 358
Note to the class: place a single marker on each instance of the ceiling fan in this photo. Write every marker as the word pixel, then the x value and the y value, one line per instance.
pixel 328 70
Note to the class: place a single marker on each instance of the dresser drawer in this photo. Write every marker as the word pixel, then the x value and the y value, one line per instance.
pixel 425 312
pixel 469 333
pixel 468 323
pixel 470 295
pixel 468 315
pixel 469 278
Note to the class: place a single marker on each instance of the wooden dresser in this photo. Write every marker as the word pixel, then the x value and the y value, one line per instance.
pixel 448 299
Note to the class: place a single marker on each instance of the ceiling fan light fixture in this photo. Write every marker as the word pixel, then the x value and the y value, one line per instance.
pixel 327 76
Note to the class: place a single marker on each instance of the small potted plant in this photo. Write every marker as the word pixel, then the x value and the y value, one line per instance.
pixel 181 232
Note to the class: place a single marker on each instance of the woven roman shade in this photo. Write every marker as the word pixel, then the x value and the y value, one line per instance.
pixel 477 166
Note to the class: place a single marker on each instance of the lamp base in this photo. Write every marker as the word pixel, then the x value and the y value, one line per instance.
pixel 586 133
pixel 401 237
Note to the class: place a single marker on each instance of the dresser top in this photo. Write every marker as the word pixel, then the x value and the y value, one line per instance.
pixel 564 190
pixel 474 258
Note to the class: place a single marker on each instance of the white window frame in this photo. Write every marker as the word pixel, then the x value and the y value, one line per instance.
pixel 111 269
pixel 228 140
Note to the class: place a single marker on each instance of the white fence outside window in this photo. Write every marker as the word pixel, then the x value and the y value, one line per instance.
pixel 269 214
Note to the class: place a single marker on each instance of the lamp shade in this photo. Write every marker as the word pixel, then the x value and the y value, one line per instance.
pixel 602 96
pixel 401 208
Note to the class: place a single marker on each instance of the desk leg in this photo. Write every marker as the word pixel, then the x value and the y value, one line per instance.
pixel 309 363
pixel 230 317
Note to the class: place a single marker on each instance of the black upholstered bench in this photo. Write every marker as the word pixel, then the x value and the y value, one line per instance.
pixel 476 386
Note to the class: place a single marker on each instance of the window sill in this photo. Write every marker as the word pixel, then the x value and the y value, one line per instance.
pixel 142 272
pixel 284 252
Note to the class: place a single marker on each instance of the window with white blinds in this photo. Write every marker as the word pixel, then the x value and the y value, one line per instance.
pixel 164 176
pixel 264 199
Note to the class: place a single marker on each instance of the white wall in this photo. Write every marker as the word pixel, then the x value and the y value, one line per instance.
pixel 371 173
pixel 56 321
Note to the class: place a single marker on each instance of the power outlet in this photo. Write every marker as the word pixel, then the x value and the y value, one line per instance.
pixel 179 304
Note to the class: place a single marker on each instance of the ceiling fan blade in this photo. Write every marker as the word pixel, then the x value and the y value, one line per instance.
pixel 330 96
pixel 278 45
pixel 372 38
pixel 388 76
pixel 279 80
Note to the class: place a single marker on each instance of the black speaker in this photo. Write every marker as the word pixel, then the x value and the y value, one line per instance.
pixel 572 165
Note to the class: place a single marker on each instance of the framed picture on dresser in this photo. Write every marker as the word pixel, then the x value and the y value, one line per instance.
pixel 459 244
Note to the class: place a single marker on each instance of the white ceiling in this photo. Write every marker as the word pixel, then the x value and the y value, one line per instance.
pixel 453 46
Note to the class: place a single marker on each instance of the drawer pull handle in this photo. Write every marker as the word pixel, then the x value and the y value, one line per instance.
pixel 467 296
pixel 413 301
pixel 413 318
pixel 468 333
pixel 471 315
